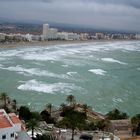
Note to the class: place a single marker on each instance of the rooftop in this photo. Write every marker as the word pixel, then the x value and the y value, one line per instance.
pixel 4 122
pixel 14 118
pixel 8 120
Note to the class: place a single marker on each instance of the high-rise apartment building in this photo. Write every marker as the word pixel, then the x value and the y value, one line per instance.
pixel 45 31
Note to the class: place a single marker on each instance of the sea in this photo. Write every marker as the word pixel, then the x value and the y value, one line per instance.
pixel 104 75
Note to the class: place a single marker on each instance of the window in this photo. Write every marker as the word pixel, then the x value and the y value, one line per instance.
pixel 12 135
pixel 3 137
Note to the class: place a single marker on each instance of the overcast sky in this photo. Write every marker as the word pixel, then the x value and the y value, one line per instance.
pixel 109 14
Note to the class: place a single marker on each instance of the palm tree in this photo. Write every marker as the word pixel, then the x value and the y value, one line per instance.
pixel 3 97
pixel 71 100
pixel 32 124
pixel 135 124
pixel 49 108
pixel 15 105
pixel 73 119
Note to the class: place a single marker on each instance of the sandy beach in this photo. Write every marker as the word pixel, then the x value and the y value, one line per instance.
pixel 52 43
pixel 43 43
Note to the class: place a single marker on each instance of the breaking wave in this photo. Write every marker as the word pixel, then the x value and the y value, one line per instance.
pixel 38 86
pixel 35 71
pixel 111 60
pixel 98 71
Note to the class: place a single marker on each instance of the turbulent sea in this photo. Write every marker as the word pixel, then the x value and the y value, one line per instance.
pixel 105 75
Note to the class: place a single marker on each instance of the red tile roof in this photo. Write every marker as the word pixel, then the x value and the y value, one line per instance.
pixel 14 118
pixel 1 113
pixel 4 123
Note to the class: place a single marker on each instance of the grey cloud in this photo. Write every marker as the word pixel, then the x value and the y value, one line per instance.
pixel 111 14
pixel 131 3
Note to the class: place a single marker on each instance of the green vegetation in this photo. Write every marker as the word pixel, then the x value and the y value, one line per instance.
pixel 71 100
pixel 136 124
pixel 45 137
pixel 3 97
pixel 72 115
pixel 49 108
pixel 73 119
pixel 116 115
pixel 32 124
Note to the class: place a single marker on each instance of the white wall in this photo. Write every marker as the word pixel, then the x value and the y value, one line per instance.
pixel 7 132
pixel 17 127
pixel 45 31
pixel 116 138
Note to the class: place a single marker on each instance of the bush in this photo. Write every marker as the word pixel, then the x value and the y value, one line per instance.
pixel 116 115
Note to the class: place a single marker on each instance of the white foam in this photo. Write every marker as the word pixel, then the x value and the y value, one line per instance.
pixel 64 66
pixel 138 68
pixel 38 86
pixel 116 100
pixel 2 59
pixel 71 73
pixel 1 65
pixel 35 71
pixel 98 71
pixel 10 53
pixel 111 60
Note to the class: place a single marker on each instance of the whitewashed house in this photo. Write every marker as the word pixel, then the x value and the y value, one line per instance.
pixel 10 126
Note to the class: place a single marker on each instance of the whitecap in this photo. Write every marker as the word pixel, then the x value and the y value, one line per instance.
pixel 116 100
pixel 71 73
pixel 35 71
pixel 38 86
pixel 1 65
pixel 64 66
pixel 98 71
pixel 10 53
pixel 2 59
pixel 111 60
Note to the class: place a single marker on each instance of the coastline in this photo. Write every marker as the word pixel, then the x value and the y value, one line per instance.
pixel 52 43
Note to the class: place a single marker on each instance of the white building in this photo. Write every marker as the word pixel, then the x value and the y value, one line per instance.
pixel 2 36
pixel 62 35
pixel 45 31
pixel 99 36
pixel 9 125
pixel 49 33
pixel 137 36
pixel 28 37
pixel 52 34
pixel 68 36
pixel 73 36
pixel 83 36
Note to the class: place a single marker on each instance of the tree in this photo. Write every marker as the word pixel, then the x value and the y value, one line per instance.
pixel 15 105
pixel 45 137
pixel 32 124
pixel 71 100
pixel 3 97
pixel 116 115
pixel 45 115
pixel 73 119
pixel 24 113
pixel 136 124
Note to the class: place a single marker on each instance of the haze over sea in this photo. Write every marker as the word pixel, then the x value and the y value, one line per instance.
pixel 105 75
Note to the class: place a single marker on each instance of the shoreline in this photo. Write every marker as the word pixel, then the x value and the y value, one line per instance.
pixel 52 43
